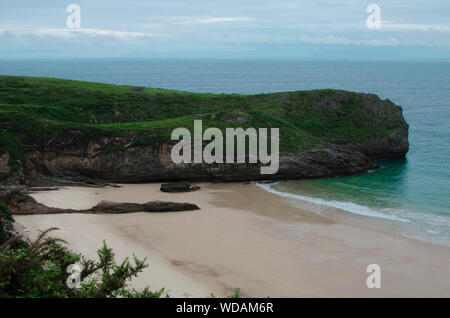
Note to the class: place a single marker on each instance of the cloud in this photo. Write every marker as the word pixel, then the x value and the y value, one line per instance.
pixel 414 27
pixel 205 26
pixel 340 40
pixel 73 33
pixel 224 19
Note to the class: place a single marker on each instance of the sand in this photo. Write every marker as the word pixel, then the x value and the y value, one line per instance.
pixel 244 237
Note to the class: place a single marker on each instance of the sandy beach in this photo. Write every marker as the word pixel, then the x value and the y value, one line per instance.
pixel 244 237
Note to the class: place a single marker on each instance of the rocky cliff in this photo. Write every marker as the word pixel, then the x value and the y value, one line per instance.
pixel 77 160
pixel 71 131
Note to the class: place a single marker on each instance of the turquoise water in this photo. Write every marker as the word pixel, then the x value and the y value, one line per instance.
pixel 416 189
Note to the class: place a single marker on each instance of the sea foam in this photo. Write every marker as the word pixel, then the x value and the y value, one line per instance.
pixel 345 206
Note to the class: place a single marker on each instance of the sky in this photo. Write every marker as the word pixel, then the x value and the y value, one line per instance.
pixel 333 29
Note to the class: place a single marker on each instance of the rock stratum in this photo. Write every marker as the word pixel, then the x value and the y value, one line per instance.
pixel 22 204
pixel 81 131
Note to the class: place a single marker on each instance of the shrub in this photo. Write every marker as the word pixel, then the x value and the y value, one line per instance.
pixel 5 223
pixel 39 269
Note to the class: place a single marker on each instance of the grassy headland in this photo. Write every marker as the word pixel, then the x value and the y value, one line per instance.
pixel 45 107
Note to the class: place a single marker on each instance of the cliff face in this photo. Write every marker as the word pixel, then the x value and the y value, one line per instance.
pixel 82 131
pixel 153 163
pixel 75 156
pixel 394 145
pixel 391 145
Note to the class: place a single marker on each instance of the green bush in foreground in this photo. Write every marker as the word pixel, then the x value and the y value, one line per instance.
pixel 5 223
pixel 39 269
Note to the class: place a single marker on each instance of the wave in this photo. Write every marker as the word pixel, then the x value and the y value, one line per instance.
pixel 345 206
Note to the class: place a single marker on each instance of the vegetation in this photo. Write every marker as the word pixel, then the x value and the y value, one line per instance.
pixel 39 269
pixel 5 223
pixel 237 293
pixel 32 108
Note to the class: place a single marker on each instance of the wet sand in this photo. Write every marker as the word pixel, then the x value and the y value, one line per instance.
pixel 244 237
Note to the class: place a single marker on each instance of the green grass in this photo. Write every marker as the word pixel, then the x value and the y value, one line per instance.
pixel 10 143
pixel 43 107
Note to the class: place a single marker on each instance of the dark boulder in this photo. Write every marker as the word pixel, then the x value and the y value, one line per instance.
pixel 152 206
pixel 178 187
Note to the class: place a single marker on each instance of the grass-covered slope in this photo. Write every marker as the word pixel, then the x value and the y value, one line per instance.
pixel 307 119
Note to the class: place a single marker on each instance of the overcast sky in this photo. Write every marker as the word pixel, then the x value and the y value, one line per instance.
pixel 332 29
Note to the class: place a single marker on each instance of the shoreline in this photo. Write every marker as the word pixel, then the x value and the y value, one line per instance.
pixel 360 215
pixel 245 237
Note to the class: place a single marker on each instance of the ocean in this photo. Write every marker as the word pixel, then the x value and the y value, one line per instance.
pixel 413 192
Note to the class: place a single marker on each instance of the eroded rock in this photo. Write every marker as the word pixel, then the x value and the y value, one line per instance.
pixel 178 187
pixel 152 206
pixel 22 204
